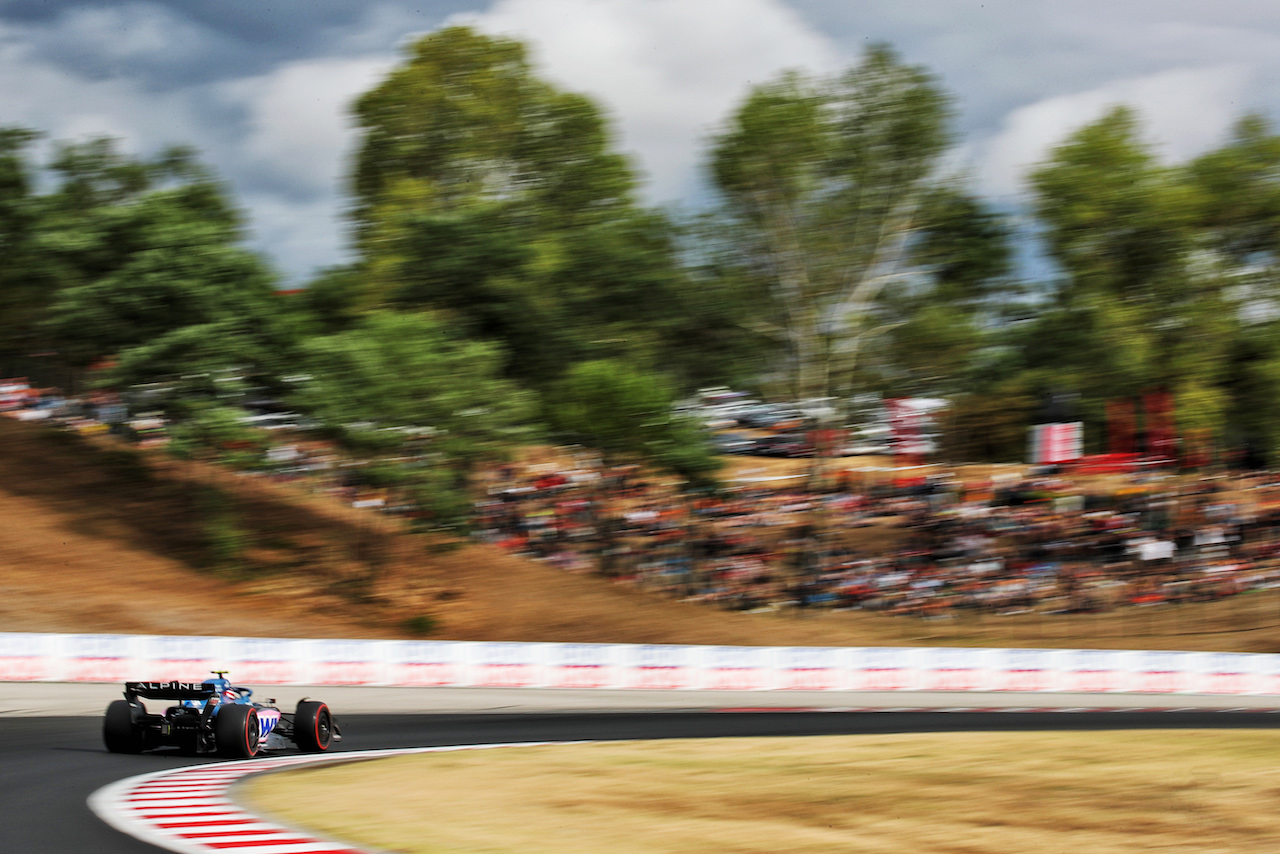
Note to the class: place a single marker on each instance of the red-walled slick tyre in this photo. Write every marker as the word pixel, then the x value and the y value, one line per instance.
pixel 236 730
pixel 313 727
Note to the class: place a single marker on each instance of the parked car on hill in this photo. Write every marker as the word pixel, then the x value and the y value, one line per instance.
pixel 732 443
pixel 782 445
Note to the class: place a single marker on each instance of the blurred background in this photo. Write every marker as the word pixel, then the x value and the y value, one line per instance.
pixel 842 289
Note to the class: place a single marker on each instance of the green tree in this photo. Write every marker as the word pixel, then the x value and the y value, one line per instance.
pixel 826 180
pixel 151 276
pixel 408 385
pixel 718 329
pixel 1137 308
pixel 465 119
pixel 628 414
pixel 23 287
pixel 330 302
pixel 396 376
pixel 1239 194
pixel 1238 226
pixel 944 315
pixel 964 247
pixel 484 191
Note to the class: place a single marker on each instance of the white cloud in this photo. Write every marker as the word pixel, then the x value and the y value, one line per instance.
pixel 667 71
pixel 67 106
pixel 126 31
pixel 1182 113
pixel 279 138
pixel 299 128
pixel 300 236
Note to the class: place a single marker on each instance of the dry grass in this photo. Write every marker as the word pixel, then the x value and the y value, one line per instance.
pixel 1101 793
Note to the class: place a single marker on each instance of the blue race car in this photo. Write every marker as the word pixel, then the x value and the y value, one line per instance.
pixel 212 716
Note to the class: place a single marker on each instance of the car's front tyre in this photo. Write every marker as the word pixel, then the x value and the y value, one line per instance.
pixel 237 732
pixel 119 732
pixel 312 727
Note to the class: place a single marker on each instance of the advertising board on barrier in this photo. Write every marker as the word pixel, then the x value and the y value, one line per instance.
pixel 583 665
pixel 1095 671
pixel 1023 669
pixel 470 664
pixel 954 669
pixel 346 662
pixel 1235 673
pixel 883 669
pixel 658 666
pixel 98 658
pixel 810 668
pixel 24 658
pixel 426 664
pixel 265 661
pixel 736 668
pixel 176 658
pixel 1164 672
pixel 506 665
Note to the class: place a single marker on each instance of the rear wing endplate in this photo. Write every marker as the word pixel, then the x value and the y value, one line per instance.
pixel 168 690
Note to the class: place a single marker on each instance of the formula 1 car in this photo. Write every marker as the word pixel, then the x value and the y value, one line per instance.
pixel 212 716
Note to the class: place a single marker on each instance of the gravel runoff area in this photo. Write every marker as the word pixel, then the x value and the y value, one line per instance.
pixel 40 699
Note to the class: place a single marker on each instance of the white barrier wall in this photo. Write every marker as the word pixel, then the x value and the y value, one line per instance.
pixel 285 661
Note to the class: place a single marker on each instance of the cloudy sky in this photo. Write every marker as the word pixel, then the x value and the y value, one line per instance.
pixel 261 87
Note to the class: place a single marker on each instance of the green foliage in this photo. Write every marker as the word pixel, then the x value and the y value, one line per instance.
pixel 1153 258
pixel 484 191
pixel 1254 391
pixel 991 424
pixel 225 539
pixel 465 119
pixel 421 625
pixel 398 370
pixel 24 286
pixel 939 321
pixel 929 351
pixel 964 246
pixel 628 414
pixel 825 180
pixel 441 494
pixel 501 249
pixel 330 303
pixel 683 450
pixel 771 157
pixel 610 406
pixel 1116 221
pixel 208 429
pixel 463 129
pixel 148 273
pixel 408 384
pixel 1239 192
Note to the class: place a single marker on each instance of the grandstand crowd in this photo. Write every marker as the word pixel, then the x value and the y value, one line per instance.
pixel 831 536
pixel 929 547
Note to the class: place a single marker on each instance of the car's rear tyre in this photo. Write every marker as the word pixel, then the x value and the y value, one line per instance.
pixel 236 729
pixel 119 732
pixel 313 727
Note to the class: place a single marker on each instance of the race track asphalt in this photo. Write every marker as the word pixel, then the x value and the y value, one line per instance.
pixel 50 765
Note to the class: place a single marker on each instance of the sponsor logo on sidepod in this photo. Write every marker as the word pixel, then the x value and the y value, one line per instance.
pixel 267 720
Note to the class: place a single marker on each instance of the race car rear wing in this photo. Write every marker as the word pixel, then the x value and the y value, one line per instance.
pixel 168 690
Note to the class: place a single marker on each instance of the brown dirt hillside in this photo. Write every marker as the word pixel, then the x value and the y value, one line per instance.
pixel 95 537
